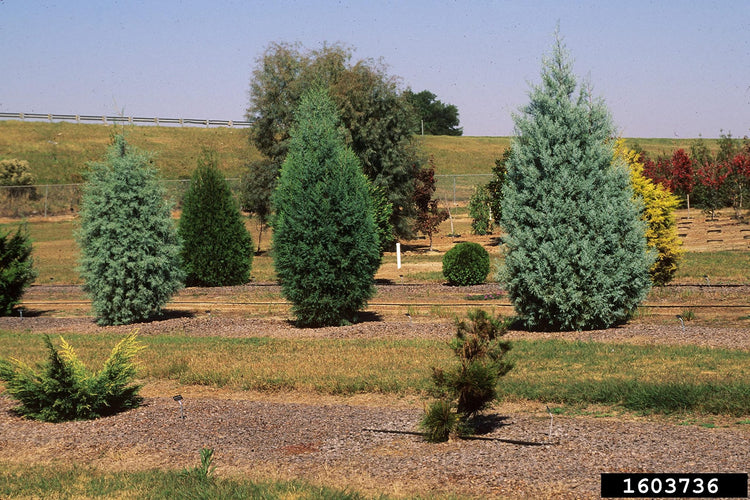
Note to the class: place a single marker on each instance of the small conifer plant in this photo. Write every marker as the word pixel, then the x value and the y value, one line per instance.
pixel 66 390
pixel 217 249
pixel 576 249
pixel 326 249
pixel 16 268
pixel 479 211
pixel 130 259
pixel 469 387
pixel 467 263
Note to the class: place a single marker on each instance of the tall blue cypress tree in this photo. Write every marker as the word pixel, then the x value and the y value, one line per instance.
pixel 130 259
pixel 326 248
pixel 576 252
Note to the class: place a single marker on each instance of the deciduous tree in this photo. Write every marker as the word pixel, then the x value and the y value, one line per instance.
pixel 257 186
pixel 429 214
pixel 435 117
pixel 376 119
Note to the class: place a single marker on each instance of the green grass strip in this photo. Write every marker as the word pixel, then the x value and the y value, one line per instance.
pixel 83 482
pixel 656 378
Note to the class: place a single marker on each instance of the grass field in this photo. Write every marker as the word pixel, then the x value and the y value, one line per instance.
pixel 63 481
pixel 655 378
pixel 55 254
pixel 58 152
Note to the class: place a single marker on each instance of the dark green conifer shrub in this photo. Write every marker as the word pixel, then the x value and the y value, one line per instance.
pixel 217 249
pixel 479 211
pixel 382 209
pixel 471 386
pixel 326 248
pixel 67 390
pixel 576 248
pixel 130 258
pixel 467 263
pixel 16 268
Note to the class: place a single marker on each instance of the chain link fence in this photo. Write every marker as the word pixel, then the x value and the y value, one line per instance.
pixel 47 200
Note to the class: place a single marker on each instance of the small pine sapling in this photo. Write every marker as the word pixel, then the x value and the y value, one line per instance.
pixel 468 388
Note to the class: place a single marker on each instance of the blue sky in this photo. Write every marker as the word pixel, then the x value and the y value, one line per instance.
pixel 664 68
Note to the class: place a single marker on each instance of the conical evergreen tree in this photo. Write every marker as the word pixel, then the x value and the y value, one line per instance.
pixel 216 246
pixel 326 248
pixel 576 250
pixel 129 248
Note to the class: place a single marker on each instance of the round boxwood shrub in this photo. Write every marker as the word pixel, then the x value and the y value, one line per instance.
pixel 466 264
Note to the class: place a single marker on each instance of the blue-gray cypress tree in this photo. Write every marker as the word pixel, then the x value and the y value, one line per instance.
pixel 326 248
pixel 216 246
pixel 576 250
pixel 130 259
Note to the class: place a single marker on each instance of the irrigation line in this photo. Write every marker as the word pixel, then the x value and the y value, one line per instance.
pixel 385 304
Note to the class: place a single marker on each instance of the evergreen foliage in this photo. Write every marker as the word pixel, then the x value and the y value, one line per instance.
pixel 479 211
pixel 658 205
pixel 495 186
pixel 576 248
pixel 66 390
pixel 467 263
pixel 16 268
pixel 326 249
pixel 381 215
pixel 471 386
pixel 217 249
pixel 130 259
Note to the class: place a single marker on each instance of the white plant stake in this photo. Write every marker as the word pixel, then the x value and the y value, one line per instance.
pixel 549 435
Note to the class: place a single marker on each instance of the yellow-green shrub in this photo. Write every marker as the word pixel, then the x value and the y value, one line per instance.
pixel 658 213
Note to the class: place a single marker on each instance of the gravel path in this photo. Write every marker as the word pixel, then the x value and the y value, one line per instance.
pixel 375 448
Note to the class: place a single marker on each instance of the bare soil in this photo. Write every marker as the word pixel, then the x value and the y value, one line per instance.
pixel 369 442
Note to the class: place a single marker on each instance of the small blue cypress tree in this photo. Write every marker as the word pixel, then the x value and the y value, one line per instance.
pixel 576 251
pixel 130 260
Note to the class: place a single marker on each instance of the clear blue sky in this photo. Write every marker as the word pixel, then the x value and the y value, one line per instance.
pixel 664 68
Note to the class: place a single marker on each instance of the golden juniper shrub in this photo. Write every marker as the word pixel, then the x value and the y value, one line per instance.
pixel 659 205
pixel 64 389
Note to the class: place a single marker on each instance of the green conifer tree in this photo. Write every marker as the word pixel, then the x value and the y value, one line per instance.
pixel 130 259
pixel 576 249
pixel 326 249
pixel 216 246
pixel 16 268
